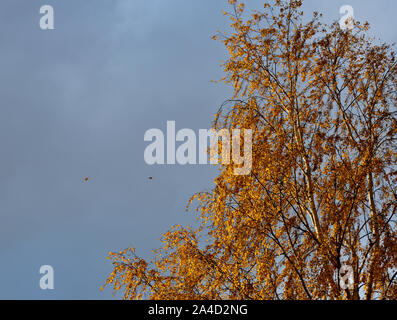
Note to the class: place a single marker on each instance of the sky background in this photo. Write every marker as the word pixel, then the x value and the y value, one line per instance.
pixel 76 102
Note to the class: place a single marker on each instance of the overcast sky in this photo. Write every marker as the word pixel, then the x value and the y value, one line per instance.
pixel 76 102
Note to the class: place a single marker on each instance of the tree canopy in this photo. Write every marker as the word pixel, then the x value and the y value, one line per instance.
pixel 321 104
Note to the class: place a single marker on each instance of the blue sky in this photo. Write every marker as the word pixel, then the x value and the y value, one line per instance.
pixel 76 102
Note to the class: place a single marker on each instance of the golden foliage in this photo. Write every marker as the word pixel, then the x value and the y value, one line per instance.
pixel 322 192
